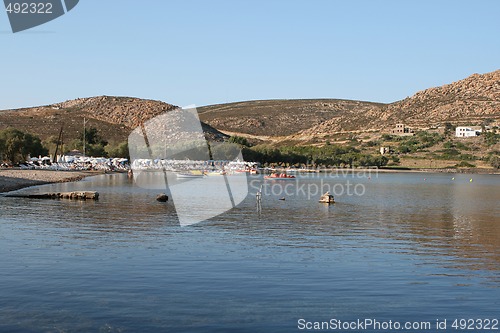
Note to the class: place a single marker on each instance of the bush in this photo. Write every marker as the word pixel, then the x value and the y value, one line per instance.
pixel 405 149
pixel 491 138
pixel 464 164
pixel 448 145
pixel 239 140
pixel 118 151
pixel 461 146
pixel 448 128
pixel 495 161
pixel 328 155
pixel 373 143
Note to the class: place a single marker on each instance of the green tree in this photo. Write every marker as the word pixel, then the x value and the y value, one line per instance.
pixel 2 149
pixel 448 128
pixel 119 151
pixel 17 145
pixel 93 137
pixel 239 140
pixel 95 144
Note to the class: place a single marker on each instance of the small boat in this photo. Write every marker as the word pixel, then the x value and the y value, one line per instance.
pixel 188 175
pixel 279 176
pixel 215 173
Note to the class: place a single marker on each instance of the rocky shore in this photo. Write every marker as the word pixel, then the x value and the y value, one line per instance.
pixel 11 180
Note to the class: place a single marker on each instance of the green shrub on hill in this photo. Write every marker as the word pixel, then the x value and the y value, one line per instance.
pixel 422 140
pixel 495 161
pixel 464 164
pixel 491 138
pixel 327 156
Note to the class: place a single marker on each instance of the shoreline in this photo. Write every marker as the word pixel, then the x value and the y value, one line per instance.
pixel 478 171
pixel 15 179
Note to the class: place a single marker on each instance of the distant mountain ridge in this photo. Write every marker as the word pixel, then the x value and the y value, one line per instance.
pixel 468 101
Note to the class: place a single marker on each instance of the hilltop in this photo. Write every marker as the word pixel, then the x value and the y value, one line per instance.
pixel 114 117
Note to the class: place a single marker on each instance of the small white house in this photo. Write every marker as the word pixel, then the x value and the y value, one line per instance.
pixel 466 132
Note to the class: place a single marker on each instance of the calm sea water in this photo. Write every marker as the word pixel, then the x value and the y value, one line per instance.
pixel 413 247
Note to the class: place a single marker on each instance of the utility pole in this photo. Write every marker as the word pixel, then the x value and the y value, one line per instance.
pixel 84 135
pixel 59 143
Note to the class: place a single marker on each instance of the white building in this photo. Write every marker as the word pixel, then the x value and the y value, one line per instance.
pixel 466 132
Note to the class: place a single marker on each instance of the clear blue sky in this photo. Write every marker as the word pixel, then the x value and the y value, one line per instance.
pixel 207 52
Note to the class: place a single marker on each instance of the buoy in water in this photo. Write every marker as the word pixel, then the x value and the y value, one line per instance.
pixel 327 198
pixel 470 180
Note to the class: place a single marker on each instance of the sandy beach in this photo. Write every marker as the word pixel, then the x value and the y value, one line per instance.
pixel 11 180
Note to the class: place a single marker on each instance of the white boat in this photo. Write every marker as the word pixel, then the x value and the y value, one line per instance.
pixel 215 173
pixel 188 175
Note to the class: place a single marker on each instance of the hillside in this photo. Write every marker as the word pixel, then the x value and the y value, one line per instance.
pixel 468 101
pixel 280 117
pixel 114 117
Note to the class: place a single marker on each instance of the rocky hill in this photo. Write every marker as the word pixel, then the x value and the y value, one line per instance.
pixel 468 101
pixel 280 117
pixel 114 117
pixel 126 111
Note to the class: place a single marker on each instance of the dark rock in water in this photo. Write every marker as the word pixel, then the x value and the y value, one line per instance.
pixel 162 197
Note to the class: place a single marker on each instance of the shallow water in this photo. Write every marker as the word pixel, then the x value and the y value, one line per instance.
pixel 413 247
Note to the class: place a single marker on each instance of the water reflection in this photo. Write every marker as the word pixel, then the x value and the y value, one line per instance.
pixel 409 248
pixel 433 215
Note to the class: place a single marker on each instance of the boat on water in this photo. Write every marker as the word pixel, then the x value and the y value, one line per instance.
pixel 279 176
pixel 215 173
pixel 185 175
